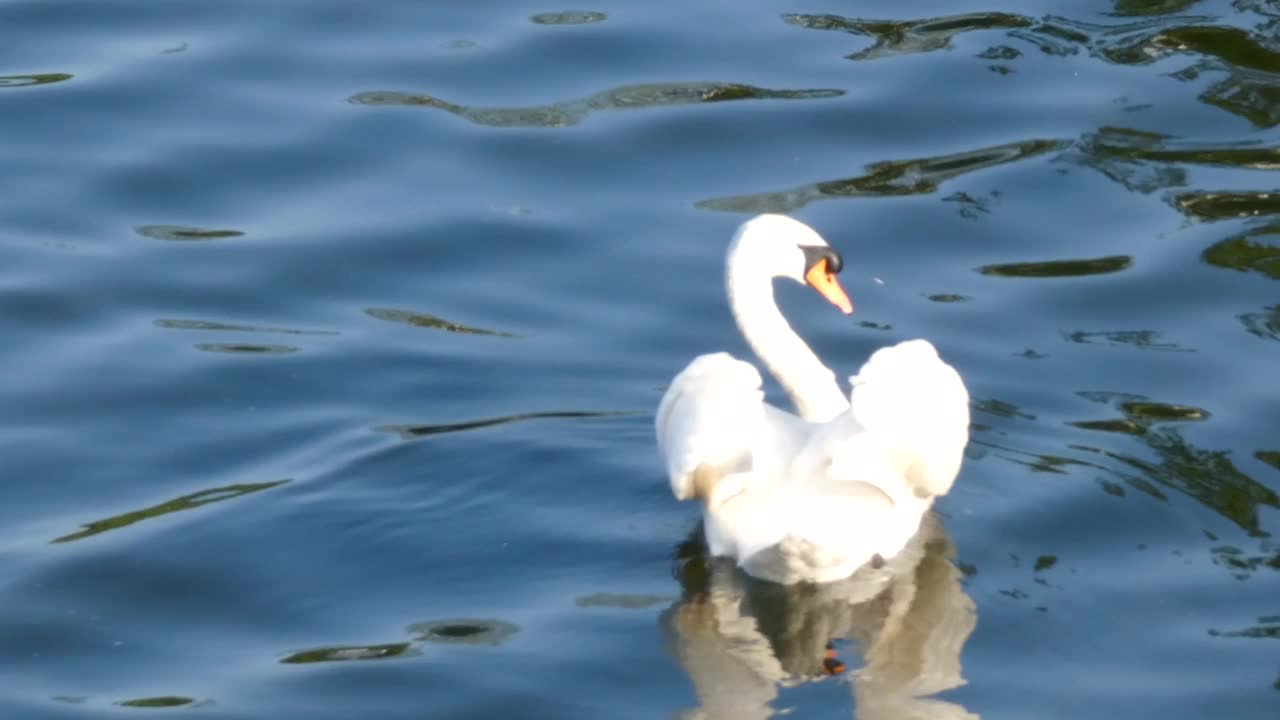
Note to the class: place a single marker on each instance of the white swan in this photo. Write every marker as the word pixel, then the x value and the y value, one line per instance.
pixel 811 497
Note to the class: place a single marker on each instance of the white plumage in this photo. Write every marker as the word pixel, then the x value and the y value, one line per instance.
pixel 816 496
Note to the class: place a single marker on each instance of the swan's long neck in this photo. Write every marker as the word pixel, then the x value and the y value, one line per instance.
pixel 810 384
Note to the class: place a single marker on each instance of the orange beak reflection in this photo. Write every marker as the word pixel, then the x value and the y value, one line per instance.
pixel 825 283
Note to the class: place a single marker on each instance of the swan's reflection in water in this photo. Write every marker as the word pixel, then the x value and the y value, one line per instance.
pixel 742 640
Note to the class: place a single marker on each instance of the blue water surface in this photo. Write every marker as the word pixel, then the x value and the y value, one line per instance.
pixel 334 332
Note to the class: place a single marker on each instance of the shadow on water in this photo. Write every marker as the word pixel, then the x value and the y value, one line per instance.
pixel 572 112
pixel 457 631
pixel 1248 59
pixel 744 642
pixel 424 320
pixel 186 502
pixel 920 176
pixel 417 432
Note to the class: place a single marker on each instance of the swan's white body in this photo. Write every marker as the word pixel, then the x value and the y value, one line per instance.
pixel 815 495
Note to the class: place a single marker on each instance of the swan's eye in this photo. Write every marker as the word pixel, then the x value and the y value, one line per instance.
pixel 835 263
pixel 816 254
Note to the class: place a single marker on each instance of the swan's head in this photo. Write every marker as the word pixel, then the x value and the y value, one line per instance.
pixel 778 246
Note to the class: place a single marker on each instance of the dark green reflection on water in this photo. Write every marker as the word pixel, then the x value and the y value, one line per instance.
pixel 1000 409
pixel 248 348
pixel 344 653
pixel 1253 95
pixel 1145 161
pixel 1141 339
pixel 1208 476
pixel 158 702
pixel 1151 7
pixel 464 631
pixel 424 320
pixel 186 502
pixel 1060 268
pixel 572 112
pixel 1243 565
pixel 456 631
pixel 899 37
pixel 568 17
pixel 414 432
pixel 1139 145
pixel 12 81
pixel 183 233
pixel 1045 562
pixel 1225 205
pixel 1270 457
pixel 1267 627
pixel 898 177
pixel 1248 58
pixel 180 324
pixel 1243 253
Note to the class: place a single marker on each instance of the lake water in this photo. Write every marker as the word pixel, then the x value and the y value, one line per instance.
pixel 334 330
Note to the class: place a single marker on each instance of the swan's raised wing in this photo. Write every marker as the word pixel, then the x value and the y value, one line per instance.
pixel 912 409
pixel 708 419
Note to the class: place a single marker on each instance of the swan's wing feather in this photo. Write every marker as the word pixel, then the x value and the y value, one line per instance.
pixel 709 416
pixel 915 409
pixel 904 434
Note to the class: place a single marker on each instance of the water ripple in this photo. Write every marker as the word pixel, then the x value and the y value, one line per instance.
pixel 1145 161
pixel 424 320
pixel 1208 476
pixel 1249 58
pixel 457 631
pixel 180 324
pixel 178 504
pixel 414 432
pixel 572 112
pixel 919 176
pixel 899 37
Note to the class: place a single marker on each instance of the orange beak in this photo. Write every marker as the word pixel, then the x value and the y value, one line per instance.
pixel 825 283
